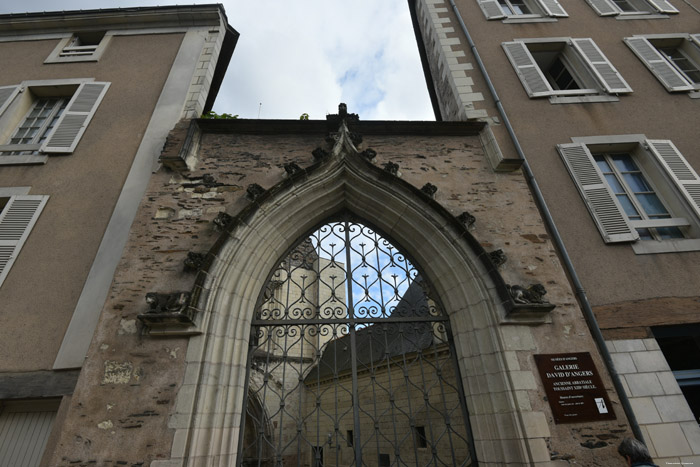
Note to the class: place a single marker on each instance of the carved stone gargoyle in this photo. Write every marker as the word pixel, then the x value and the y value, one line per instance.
pixel 194 261
pixel 222 220
pixel 291 168
pixel 499 258
pixel 319 154
pixel 167 309
pixel 429 189
pixel 392 168
pixel 466 219
pixel 533 294
pixel 369 154
pixel 254 191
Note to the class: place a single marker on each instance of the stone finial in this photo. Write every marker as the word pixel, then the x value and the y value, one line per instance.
pixel 222 220
pixel 533 294
pixel 175 302
pixel 194 261
pixel 498 257
pixel 429 189
pixel 254 191
pixel 319 154
pixel 291 168
pixel 369 154
pixel 466 219
pixel 392 168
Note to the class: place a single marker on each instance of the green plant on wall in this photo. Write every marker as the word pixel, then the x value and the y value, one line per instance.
pixel 214 115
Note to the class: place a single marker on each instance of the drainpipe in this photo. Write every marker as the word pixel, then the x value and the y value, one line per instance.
pixel 549 221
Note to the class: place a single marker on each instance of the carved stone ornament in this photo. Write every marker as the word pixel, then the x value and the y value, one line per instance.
pixel 174 302
pixel 320 153
pixel 498 257
pixel 209 181
pixel 291 168
pixel 369 154
pixel 429 189
pixel 254 191
pixel 392 168
pixel 194 261
pixel 466 219
pixel 222 220
pixel 533 294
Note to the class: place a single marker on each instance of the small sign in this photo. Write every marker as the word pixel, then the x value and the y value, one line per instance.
pixel 573 387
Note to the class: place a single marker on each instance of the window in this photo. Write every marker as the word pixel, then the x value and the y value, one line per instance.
pixel 563 68
pixel 637 189
pixel 25 427
pixel 40 118
pixel 630 9
pixel 18 214
pixel 526 10
pixel 681 347
pixel 85 46
pixel 673 59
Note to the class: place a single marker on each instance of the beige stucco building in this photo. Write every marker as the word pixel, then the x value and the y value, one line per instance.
pixel 86 101
pixel 600 98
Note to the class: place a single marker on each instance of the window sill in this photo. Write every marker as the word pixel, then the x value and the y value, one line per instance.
pixel 648 247
pixel 582 99
pixel 623 17
pixel 694 94
pixel 532 19
pixel 26 159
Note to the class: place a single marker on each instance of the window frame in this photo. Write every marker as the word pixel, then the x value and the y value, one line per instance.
pixel 588 63
pixel 657 9
pixel 665 70
pixel 543 10
pixel 85 95
pixel 669 173
pixel 65 52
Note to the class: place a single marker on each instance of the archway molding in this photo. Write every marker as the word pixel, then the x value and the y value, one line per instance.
pixel 210 402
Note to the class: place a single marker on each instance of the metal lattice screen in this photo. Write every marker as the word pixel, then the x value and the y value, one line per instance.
pixel 351 361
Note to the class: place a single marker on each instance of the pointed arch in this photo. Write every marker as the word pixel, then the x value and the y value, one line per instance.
pixel 473 294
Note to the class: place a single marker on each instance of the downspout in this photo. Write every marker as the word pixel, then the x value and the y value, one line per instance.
pixel 549 221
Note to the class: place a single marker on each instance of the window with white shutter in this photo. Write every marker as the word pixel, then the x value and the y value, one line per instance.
pixel 637 189
pixel 25 427
pixel 631 9
pixel 49 118
pixel 18 215
pixel 564 68
pixel 673 59
pixel 522 10
pixel 85 46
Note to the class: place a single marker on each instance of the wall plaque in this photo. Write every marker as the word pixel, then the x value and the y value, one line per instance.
pixel 573 387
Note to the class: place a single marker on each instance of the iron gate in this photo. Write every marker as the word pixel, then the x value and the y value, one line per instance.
pixel 351 361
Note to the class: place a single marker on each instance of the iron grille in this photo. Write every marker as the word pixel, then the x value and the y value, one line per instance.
pixel 351 361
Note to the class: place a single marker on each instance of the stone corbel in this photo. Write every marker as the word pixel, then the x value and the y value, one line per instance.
pixel 169 314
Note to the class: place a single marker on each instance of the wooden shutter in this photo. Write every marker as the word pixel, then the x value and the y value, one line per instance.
pixel 606 73
pixel 599 198
pixel 7 94
pixel 23 434
pixel 604 7
pixel 16 221
pixel 664 6
pixel 553 8
pixel 678 169
pixel 671 78
pixel 71 126
pixel 491 9
pixel 527 69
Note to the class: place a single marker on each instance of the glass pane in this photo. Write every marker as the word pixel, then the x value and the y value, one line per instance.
pixel 624 163
pixel 628 207
pixel 645 234
pixel 669 232
pixel 520 7
pixel 603 164
pixel 637 182
pixel 614 183
pixel 651 204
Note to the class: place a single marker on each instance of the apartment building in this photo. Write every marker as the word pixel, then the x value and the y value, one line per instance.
pixel 87 99
pixel 600 98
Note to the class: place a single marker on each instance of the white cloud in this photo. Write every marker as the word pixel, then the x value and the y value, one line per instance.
pixel 307 56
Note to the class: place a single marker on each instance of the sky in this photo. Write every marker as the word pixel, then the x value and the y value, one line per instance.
pixel 307 56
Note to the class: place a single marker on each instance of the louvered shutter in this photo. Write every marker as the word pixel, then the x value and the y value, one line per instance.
pixel 491 9
pixel 16 221
pixel 664 6
pixel 7 94
pixel 599 198
pixel 553 8
pixel 525 66
pixel 606 73
pixel 71 126
pixel 604 7
pixel 671 78
pixel 678 169
pixel 23 436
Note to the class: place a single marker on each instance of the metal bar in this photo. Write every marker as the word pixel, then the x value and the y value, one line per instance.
pixel 409 319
